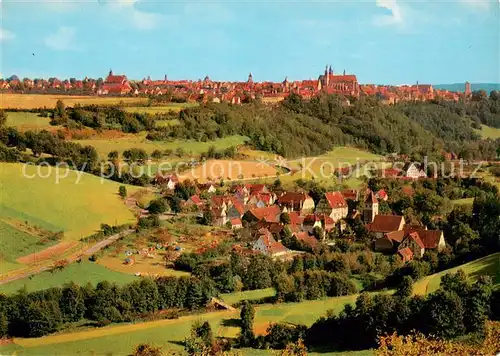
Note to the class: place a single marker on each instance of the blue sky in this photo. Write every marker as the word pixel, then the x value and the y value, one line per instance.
pixel 381 41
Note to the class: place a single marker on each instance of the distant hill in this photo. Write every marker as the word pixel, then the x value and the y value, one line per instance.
pixel 460 87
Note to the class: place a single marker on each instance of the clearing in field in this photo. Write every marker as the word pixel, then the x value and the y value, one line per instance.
pixel 80 273
pixel 230 170
pixel 121 339
pixel 77 207
pixel 171 107
pixel 35 101
pixel 464 201
pixel 104 146
pixel 489 265
pixel 489 132
pixel 25 121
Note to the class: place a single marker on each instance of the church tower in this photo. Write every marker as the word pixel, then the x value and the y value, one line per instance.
pixel 467 89
pixel 370 208
pixel 250 78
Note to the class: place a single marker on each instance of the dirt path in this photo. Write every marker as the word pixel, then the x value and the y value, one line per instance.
pixel 74 257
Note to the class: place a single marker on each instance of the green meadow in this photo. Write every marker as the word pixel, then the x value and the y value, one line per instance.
pixel 76 204
pixel 16 243
pixel 28 121
pixel 175 107
pixel 489 132
pixel 104 146
pixel 80 273
pixel 121 339
pixel 489 266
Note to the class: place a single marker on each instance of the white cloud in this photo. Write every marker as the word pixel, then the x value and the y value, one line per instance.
pixel 62 40
pixel 6 35
pixel 139 19
pixel 480 5
pixel 396 16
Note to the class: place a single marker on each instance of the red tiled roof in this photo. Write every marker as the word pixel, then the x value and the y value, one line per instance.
pixel 351 194
pixel 429 238
pixel 270 213
pixel 396 235
pixel 335 200
pixel 414 235
pixel 406 254
pixel 235 222
pixel 306 238
pixel 385 223
pixel 295 218
pixel 239 206
pixel 196 199
pixel 311 219
pixel 115 79
pixel 292 197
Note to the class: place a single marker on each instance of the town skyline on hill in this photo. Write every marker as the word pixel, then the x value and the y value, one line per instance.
pixel 387 42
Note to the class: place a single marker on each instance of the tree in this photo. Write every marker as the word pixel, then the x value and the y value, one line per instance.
pixel 147 350
pixel 405 289
pixel 157 206
pixel 285 218
pixel 3 118
pixel 156 154
pixel 113 155
pixel 60 109
pixel 247 316
pixel 72 302
pixel 122 191
pixel 208 217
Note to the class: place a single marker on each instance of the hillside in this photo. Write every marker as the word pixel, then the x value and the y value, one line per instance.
pixel 489 265
pixel 460 87
pixel 76 204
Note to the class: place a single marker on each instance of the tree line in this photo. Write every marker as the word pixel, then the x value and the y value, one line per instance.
pixel 43 312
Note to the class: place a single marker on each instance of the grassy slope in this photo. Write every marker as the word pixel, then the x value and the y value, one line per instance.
pixel 28 121
pixel 78 209
pixel 120 339
pixel 104 146
pixel 80 273
pixel 233 298
pixel 464 201
pixel 160 109
pixel 489 132
pixel 17 243
pixel 489 265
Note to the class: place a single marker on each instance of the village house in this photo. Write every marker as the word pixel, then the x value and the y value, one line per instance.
pixel 310 222
pixel 268 214
pixel 220 216
pixel 334 205
pixel 411 170
pixel 195 200
pixel 299 202
pixel 208 188
pixel 383 224
pixel 267 245
pixel 415 238
pixel 236 210
pixel 236 224
pixel 169 181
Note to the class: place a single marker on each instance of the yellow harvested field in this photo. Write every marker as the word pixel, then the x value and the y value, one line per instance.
pixel 233 170
pixel 34 101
